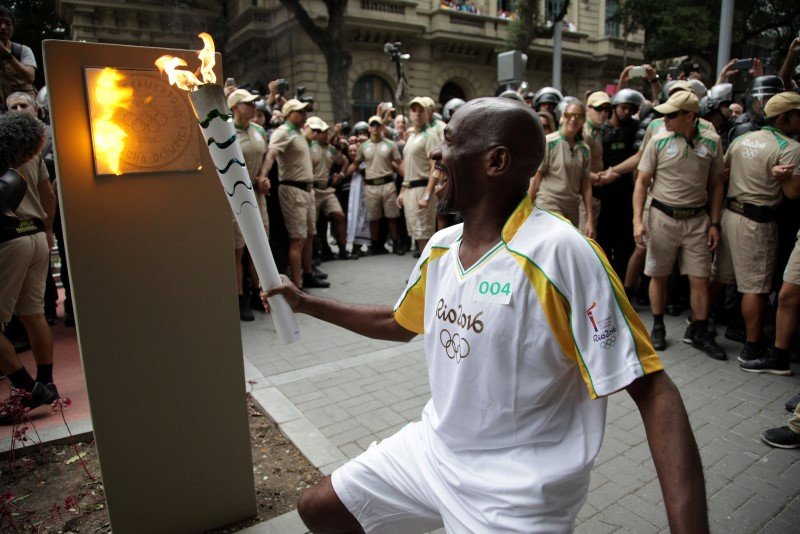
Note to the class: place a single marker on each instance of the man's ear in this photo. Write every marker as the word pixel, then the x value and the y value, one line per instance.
pixel 498 160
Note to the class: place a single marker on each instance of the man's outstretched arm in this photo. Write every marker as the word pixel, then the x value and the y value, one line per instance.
pixel 376 322
pixel 674 451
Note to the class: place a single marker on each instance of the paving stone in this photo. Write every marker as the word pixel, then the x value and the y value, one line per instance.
pixel 627 520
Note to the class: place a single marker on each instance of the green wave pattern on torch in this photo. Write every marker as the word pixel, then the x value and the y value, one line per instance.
pixel 224 144
pixel 213 114
pixel 228 166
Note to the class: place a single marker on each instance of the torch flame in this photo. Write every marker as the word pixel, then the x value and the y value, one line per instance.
pixel 185 79
pixel 109 137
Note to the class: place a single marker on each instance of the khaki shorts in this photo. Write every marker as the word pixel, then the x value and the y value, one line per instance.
pixel 299 211
pixel 595 214
pixel 421 223
pixel 23 267
pixel 326 202
pixel 381 201
pixel 792 272
pixel 746 253
pixel 669 239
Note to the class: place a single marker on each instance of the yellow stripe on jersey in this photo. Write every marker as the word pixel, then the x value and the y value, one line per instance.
pixel 410 313
pixel 557 310
pixel 517 219
pixel 645 352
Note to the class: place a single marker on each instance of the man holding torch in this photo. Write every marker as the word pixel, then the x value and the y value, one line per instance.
pixel 527 330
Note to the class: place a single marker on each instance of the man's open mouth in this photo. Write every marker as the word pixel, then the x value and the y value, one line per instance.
pixel 441 176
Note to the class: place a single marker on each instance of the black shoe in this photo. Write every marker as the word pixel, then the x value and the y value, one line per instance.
pixel 314 282
pixel 255 301
pixel 41 394
pixel 749 354
pixel 735 333
pixel 378 250
pixel 344 255
pixel 705 342
pixel 69 319
pixel 417 254
pixel 399 251
pixel 245 313
pixel 659 336
pixel 51 317
pixel 327 255
pixel 688 336
pixel 781 437
pixel 319 274
pixel 791 404
pixel 769 364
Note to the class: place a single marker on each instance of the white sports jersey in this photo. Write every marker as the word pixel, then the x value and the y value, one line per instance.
pixel 518 346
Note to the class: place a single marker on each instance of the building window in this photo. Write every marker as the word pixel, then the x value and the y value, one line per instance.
pixel 449 91
pixel 612 26
pixel 368 92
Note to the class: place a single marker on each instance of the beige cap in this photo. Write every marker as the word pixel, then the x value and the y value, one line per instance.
pixel 429 103
pixel 680 85
pixel 315 123
pixel 241 95
pixel 293 105
pixel 418 100
pixel 680 101
pixel 597 99
pixel 781 103
pixel 375 118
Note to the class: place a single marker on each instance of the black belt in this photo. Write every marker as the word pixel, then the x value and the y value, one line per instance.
pixel 305 186
pixel 417 183
pixel 12 228
pixel 761 214
pixel 321 187
pixel 677 212
pixel 383 180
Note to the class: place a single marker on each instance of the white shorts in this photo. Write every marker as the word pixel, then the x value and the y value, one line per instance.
pixel 406 484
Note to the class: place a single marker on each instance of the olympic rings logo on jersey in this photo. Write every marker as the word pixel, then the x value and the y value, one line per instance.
pixel 456 347
pixel 749 153
pixel 608 343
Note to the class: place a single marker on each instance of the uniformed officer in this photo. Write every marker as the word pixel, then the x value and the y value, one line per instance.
pixel 683 164
pixel 380 194
pixel 598 108
pixel 296 192
pixel 763 165
pixel 418 176
pixel 435 122
pixel 323 156
pixel 253 140
pixel 562 181
pixel 546 99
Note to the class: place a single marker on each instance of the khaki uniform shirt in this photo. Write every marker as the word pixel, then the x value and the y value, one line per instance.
pixel 35 172
pixel 379 157
pixel 439 126
pixel 322 158
pixel 294 157
pixel 750 159
pixel 681 172
pixel 415 154
pixel 657 127
pixel 593 137
pixel 562 170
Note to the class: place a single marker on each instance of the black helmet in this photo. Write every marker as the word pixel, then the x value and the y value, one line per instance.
pixel 627 96
pixel 718 96
pixel 450 107
pixel 547 95
pixel 513 95
pixel 759 92
pixel 360 127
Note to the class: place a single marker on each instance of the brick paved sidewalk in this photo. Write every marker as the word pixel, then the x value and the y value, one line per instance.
pixel 335 392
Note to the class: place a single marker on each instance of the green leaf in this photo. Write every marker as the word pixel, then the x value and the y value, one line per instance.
pixel 22 498
pixel 75 458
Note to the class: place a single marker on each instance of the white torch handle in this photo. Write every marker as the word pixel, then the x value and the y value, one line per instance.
pixel 226 153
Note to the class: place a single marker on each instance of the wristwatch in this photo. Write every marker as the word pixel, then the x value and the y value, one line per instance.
pixel 655 78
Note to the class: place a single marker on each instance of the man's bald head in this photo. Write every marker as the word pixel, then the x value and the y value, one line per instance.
pixel 493 122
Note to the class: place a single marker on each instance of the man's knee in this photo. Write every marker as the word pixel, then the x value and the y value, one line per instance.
pixel 789 295
pixel 322 511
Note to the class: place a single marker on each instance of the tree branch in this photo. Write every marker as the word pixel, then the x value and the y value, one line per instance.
pixel 319 35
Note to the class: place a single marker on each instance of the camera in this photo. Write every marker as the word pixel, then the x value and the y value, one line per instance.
pixel 743 64
pixel 393 49
pixel 283 86
pixel 637 72
pixel 301 90
pixel 346 127
pixel 307 100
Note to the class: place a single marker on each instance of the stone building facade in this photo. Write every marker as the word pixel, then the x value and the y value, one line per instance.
pixel 453 52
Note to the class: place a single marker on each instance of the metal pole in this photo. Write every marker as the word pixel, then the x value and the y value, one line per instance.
pixel 557 54
pixel 725 32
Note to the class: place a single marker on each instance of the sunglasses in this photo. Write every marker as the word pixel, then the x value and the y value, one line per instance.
pixel 569 116
pixel 674 115
pixel 316 130
pixel 375 124
pixel 601 109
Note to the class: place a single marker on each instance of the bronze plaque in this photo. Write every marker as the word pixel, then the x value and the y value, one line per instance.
pixel 160 129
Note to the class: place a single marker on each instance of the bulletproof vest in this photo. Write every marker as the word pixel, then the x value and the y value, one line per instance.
pixel 618 143
pixel 640 133
pixel 10 81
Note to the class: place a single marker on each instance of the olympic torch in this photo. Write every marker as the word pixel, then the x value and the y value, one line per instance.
pixel 211 109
